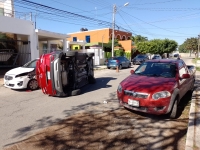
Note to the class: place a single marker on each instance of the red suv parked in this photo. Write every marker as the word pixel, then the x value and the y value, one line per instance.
pixel 63 74
pixel 157 86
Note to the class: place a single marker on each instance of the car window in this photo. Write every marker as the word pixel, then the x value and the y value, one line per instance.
pixel 140 56
pixel 180 64
pixel 125 59
pixel 157 69
pixel 31 64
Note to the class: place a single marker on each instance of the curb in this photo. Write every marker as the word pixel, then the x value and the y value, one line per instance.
pixel 100 68
pixel 191 124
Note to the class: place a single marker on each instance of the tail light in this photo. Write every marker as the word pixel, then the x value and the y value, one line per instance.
pixel 117 61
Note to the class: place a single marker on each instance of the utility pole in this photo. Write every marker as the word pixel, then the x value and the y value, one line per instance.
pixel 35 21
pixel 113 29
pixel 198 47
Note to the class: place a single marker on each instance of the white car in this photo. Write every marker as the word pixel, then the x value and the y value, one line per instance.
pixel 22 77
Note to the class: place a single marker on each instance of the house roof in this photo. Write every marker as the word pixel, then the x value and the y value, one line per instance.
pixel 43 34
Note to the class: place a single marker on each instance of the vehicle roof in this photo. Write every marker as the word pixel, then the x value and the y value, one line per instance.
pixel 164 60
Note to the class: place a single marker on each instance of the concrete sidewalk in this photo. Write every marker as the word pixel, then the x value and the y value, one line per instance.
pixel 193 132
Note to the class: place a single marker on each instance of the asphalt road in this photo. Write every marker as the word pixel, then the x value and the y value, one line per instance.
pixel 22 113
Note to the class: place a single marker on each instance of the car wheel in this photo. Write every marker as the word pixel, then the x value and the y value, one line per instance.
pixel 120 67
pixel 32 84
pixel 91 80
pixel 173 112
pixel 71 53
pixel 108 67
pixel 129 66
pixel 75 92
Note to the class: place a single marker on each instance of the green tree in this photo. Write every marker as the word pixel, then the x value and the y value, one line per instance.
pixel 157 46
pixel 169 46
pixel 138 38
pixel 116 43
pixel 191 44
pixel 182 48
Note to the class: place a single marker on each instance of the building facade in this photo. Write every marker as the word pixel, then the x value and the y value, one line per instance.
pixel 101 37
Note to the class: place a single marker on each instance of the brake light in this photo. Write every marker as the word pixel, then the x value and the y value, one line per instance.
pixel 117 61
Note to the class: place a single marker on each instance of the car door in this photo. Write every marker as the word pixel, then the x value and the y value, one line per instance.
pixel 122 62
pixel 182 82
pixel 127 61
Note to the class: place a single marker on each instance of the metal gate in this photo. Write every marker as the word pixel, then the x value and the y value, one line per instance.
pixel 14 53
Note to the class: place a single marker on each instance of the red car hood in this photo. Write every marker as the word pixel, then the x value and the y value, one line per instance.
pixel 146 84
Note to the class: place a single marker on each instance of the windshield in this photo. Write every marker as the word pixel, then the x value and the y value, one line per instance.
pixel 30 64
pixel 140 56
pixel 155 69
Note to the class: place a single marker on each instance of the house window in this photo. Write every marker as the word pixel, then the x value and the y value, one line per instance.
pixel 87 39
pixel 74 39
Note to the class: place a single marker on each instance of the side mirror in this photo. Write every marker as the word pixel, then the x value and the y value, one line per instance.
pixel 185 76
pixel 132 71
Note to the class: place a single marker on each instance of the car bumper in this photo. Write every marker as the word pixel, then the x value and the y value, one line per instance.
pixel 112 66
pixel 16 83
pixel 160 109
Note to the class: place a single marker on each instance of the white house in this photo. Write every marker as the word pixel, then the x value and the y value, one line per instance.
pixel 31 42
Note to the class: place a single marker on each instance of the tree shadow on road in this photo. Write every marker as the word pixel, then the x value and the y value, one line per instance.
pixel 99 127
pixel 106 126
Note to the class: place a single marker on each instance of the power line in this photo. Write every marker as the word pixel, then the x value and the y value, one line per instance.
pixel 157 2
pixel 62 12
pixel 165 9
pixel 154 25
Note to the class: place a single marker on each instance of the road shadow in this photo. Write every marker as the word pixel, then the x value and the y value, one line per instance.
pixel 100 128
pixel 101 82
pixel 94 126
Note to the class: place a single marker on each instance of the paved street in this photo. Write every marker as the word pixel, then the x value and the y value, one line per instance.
pixel 23 113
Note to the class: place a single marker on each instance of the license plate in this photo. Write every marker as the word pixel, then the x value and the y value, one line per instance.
pixel 133 102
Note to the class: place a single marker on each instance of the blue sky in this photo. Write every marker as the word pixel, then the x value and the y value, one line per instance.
pixel 156 19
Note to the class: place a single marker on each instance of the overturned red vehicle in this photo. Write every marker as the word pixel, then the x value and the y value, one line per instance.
pixel 157 86
pixel 63 74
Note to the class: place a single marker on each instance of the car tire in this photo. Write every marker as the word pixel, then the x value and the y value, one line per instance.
pixel 71 53
pixel 120 67
pixel 76 92
pixel 91 80
pixel 173 112
pixel 129 66
pixel 32 84
pixel 108 67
